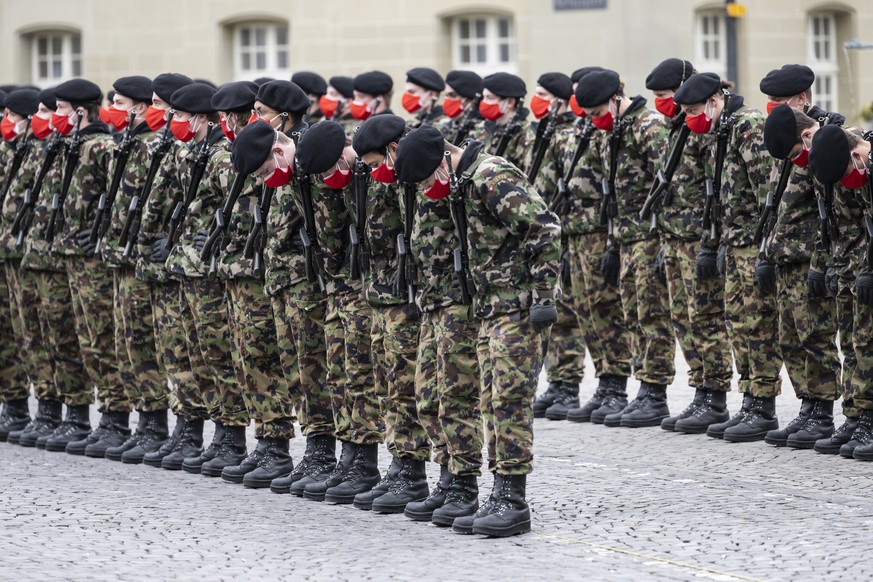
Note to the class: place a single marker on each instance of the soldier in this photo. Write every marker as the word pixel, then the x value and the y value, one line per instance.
pixel 505 219
pixel 283 101
pixel 505 131
pixel 336 102
pixel 421 95
pixel 697 304
pixel 315 88
pixel 372 95
pixel 740 171
pixel 461 104
pixel 629 157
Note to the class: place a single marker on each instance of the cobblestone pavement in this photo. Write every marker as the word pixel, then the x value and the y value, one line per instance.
pixel 608 503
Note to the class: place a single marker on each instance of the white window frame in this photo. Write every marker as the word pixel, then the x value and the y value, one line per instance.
pixel 825 66
pixel 717 65
pixel 491 43
pixel 69 60
pixel 271 50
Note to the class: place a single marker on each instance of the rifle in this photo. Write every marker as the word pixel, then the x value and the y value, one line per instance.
pixel 24 218
pixel 467 122
pixel 543 140
pixel 774 197
pixel 558 201
pixel 308 234
pixel 107 200
pixel 459 217
pixel 180 212
pixel 609 204
pixel 360 255
pixel 218 228
pixel 665 176
pixel 21 148
pixel 406 272
pixel 511 128
pixel 257 239
pixel 712 208
pixel 133 221
pixel 60 198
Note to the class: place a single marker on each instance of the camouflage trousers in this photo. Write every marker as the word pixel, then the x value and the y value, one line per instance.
pixel 59 329
pixel 29 336
pixel 807 334
pixel 846 322
pixel 427 393
pixel 510 358
pixel 354 400
pixel 256 359
pixel 300 313
pixel 135 345
pixel 697 312
pixel 565 359
pixel 646 304
pixel 599 307
pixel 207 334
pixel 91 293
pixel 186 398
pixel 862 378
pixel 14 384
pixel 394 345
pixel 752 325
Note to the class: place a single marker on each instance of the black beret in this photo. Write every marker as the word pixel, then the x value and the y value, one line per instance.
pixel 788 81
pixel 320 147
pixel 373 83
pixel 283 96
pixel 23 101
pixel 206 82
pixel 597 88
pixel 2 98
pixel 194 98
pixel 579 73
pixel 345 85
pixel 780 132
pixel 505 85
pixel 377 132
pixel 425 77
pixel 252 146
pixel 670 74
pixel 697 89
pixel 9 88
pixel 830 154
pixel 47 98
pixel 165 84
pixel 78 91
pixel 312 83
pixel 237 96
pixel 465 83
pixel 261 80
pixel 136 87
pixel 558 84
pixel 419 154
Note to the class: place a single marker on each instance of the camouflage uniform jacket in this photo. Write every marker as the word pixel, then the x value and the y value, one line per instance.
pixel 796 233
pixel 584 190
pixel 849 206
pixel 383 223
pixel 21 181
pixel 37 256
pixel 434 116
pixel 518 149
pixel 285 264
pixel 552 166
pixel 232 263
pixel 681 215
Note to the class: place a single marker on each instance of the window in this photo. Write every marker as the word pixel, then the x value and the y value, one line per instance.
pixel 485 44
pixel 261 50
pixel 822 58
pixel 55 57
pixel 711 43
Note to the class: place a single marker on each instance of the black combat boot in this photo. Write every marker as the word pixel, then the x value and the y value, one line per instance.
pixel 819 425
pixel 48 418
pixel 716 431
pixel 155 458
pixel 546 399
pixel 510 514
pixel 464 525
pixel 318 461
pixel 462 500
pixel 236 473
pixel 154 434
pixel 17 417
pixel 365 500
pixel 779 437
pixel 409 486
pixel 362 476
pixel 115 453
pixel 275 463
pixel 832 444
pixel 78 447
pixel 583 414
pixel 614 400
pixel 315 490
pixel 712 410
pixel 862 435
pixel 193 465
pixel 754 427
pixel 190 444
pixel 115 433
pixel 670 423
pixel 75 427
pixel 650 411
pixel 614 419
pixel 423 510
pixel 228 452
pixel 567 400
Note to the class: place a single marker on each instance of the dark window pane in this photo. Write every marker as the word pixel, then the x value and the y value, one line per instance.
pixel 77 44
pixel 56 70
pixel 260 36
pixel 42 45
pixel 77 68
pixel 465 54
pixel 43 69
pixel 281 35
pixel 503 28
pixel 282 59
pixel 480 28
pixel 244 37
pixel 464 28
pixel 504 53
pixel 246 62
pixel 57 45
pixel 261 61
pixel 481 54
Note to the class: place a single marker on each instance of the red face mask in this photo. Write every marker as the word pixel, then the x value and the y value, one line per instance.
pixel 360 110
pixel 384 173
pixel 327 105
pixel 63 123
pixel 604 122
pixel 856 179
pixel 452 107
pixel 539 106
pixel 802 158
pixel 700 123
pixel 574 107
pixel 666 106
pixel 280 176
pixel 229 133
pixel 490 111
pixel 411 103
pixel 439 189
pixel 104 115
pixel 40 127
pixel 9 129
pixel 118 118
pixel 182 130
pixel 339 179
pixel 154 118
pixel 771 106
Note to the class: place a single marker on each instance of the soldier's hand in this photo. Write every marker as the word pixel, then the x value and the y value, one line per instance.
pixel 394 282
pixel 765 276
pixel 160 252
pixel 297 241
pixel 565 270
pixel 706 263
pixel 816 283
pixel 720 259
pixel 610 266
pixel 661 264
pixel 832 280
pixel 83 239
pixel 864 287
pixel 200 239
pixel 542 316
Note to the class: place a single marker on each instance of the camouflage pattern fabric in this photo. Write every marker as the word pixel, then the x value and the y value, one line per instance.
pixel 862 387
pixel 36 249
pixel 21 181
pixel 25 308
pixel 681 208
pixel 793 238
pixel 15 385
pixel 584 190
pixel 384 223
pixel 432 245
pixel 565 359
pixel 285 265
pixel 427 392
pixel 517 151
